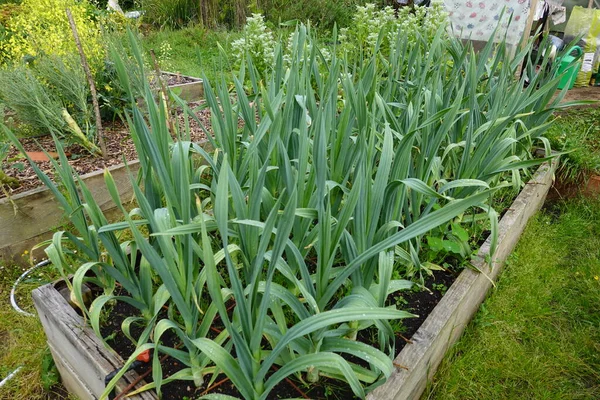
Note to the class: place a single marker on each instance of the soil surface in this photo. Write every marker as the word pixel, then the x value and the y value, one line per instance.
pixel 583 93
pixel 587 186
pixel 421 303
pixel 418 301
pixel 118 143
pixel 178 79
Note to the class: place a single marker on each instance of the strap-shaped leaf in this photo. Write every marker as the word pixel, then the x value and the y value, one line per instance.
pixel 421 187
pixel 228 365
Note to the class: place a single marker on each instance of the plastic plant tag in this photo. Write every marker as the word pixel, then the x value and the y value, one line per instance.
pixel 588 62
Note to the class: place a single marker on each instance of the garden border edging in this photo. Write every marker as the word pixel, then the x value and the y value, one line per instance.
pixel 83 360
pixel 80 356
pixel 190 91
pixel 38 213
pixel 418 361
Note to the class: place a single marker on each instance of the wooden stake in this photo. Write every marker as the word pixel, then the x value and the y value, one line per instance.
pixel 527 32
pixel 90 79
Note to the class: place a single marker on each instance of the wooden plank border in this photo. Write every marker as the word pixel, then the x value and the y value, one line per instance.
pixel 190 91
pixel 81 358
pixel 419 360
pixel 28 218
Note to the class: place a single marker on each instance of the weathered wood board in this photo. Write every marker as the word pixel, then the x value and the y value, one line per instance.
pixel 27 219
pixel 419 360
pixel 190 91
pixel 82 359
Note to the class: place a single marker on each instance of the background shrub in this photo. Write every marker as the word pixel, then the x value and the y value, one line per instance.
pixel 233 13
pixel 323 13
pixel 172 13
pixel 41 27
pixel 209 13
pixel 370 22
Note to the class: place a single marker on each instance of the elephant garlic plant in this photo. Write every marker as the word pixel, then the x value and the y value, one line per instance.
pixel 294 231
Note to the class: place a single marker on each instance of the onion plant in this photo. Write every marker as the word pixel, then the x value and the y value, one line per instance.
pixel 267 256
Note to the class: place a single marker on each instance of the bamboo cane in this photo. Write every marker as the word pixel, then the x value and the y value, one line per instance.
pixel 90 78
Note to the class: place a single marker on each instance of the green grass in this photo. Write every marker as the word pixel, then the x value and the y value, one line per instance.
pixel 194 50
pixel 538 334
pixel 578 131
pixel 22 339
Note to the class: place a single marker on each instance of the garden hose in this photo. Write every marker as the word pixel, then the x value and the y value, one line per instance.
pixel 10 376
pixel 18 309
pixel 24 275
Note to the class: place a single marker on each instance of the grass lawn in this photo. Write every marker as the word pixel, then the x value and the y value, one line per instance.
pixel 577 131
pixel 23 342
pixel 538 334
pixel 194 50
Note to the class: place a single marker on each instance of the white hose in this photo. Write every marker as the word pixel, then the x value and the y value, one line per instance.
pixel 18 309
pixel 13 301
pixel 10 376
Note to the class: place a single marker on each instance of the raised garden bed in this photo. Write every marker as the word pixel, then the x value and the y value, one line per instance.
pixel 31 214
pixel 185 87
pixel 31 217
pixel 418 361
pixel 74 344
pixel 81 358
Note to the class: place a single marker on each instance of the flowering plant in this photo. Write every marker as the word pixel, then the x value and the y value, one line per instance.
pixel 372 27
pixel 258 42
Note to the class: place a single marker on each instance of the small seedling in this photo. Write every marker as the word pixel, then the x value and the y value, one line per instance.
pixel 440 287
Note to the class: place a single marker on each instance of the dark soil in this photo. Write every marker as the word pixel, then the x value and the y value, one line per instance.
pixel 564 189
pixel 123 346
pixel 118 143
pixel 418 301
pixel 290 388
pixel 421 303
pixel 111 330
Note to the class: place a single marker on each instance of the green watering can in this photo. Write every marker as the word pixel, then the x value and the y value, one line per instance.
pixel 570 72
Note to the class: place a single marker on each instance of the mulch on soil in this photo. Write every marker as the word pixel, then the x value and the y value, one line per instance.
pixel 178 79
pixel 119 146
